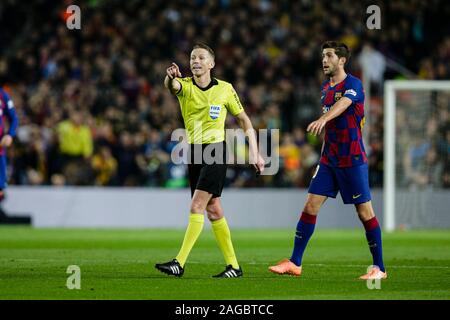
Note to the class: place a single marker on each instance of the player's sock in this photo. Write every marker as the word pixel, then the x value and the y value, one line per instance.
pixel 373 235
pixel 193 230
pixel 223 237
pixel 305 229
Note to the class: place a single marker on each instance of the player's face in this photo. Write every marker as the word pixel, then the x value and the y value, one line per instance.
pixel 201 62
pixel 330 62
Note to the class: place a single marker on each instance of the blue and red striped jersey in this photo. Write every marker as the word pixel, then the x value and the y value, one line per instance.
pixel 7 110
pixel 343 145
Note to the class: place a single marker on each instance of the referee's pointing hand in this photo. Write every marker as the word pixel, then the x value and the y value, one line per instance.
pixel 173 71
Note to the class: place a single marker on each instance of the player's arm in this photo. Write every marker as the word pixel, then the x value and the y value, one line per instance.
pixel 10 113
pixel 340 106
pixel 246 125
pixel 170 81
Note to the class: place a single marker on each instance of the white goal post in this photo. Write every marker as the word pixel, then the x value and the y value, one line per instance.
pixel 390 110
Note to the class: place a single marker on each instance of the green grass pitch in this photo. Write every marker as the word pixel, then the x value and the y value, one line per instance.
pixel 119 264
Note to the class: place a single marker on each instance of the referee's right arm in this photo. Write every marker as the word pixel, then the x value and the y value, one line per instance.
pixel 170 82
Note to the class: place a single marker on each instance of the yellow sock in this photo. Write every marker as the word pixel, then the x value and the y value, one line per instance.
pixel 193 230
pixel 223 237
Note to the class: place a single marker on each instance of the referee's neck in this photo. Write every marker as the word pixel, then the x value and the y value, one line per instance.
pixel 203 81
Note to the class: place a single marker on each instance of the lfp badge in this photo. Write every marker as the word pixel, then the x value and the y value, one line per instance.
pixel 214 111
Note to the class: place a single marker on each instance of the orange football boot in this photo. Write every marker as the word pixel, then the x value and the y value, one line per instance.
pixel 286 266
pixel 374 274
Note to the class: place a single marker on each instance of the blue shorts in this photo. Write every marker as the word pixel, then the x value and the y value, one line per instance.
pixel 3 177
pixel 352 183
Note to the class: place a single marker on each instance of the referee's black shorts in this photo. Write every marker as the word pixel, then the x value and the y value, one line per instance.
pixel 204 174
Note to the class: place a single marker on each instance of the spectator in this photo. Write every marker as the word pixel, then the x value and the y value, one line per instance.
pixel 104 166
pixel 373 63
pixel 75 146
pixel 290 159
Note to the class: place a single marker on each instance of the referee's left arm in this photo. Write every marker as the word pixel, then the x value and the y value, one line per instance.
pixel 246 125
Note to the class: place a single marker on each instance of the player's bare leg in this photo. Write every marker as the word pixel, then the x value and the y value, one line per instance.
pixel 313 204
pixel 199 202
pixel 365 211
pixel 223 236
pixel 373 234
pixel 305 229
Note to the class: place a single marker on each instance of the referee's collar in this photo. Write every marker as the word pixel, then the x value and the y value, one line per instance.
pixel 212 83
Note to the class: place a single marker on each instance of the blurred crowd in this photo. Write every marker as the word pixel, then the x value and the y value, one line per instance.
pixel 93 109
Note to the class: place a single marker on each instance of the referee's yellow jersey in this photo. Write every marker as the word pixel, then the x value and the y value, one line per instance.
pixel 204 110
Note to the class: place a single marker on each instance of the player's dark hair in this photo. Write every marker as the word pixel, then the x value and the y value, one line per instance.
pixel 340 49
pixel 204 46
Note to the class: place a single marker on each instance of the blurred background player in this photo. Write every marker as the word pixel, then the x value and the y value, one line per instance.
pixel 204 102
pixel 343 165
pixel 6 111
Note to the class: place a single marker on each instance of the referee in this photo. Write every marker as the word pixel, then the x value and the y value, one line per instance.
pixel 204 103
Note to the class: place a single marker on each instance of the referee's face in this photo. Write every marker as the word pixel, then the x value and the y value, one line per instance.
pixel 201 62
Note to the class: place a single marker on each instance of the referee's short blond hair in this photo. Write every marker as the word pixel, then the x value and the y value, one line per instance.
pixel 202 45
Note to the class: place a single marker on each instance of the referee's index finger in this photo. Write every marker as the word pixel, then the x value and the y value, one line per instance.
pixel 175 65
